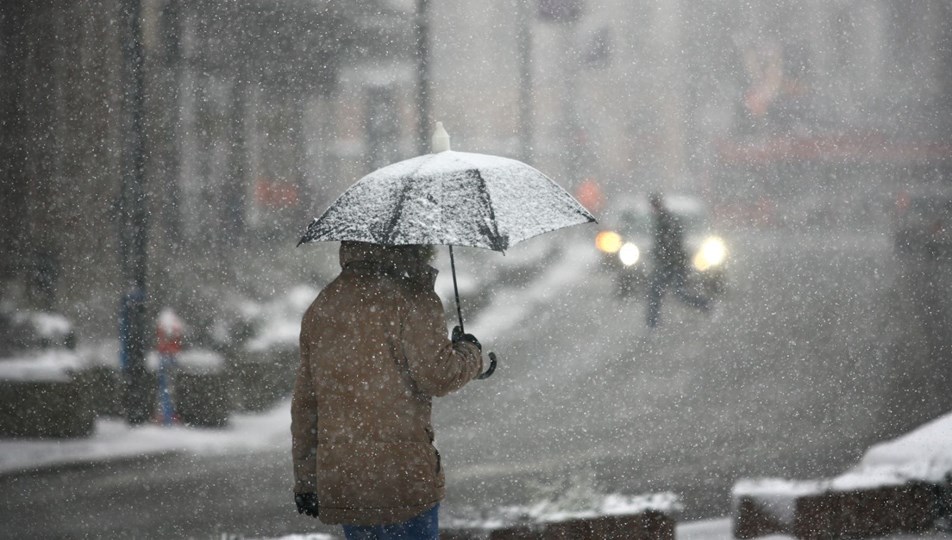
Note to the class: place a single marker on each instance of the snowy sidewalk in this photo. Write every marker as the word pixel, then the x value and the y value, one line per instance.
pixel 715 529
pixel 721 529
pixel 924 453
pixel 114 440
pixel 925 449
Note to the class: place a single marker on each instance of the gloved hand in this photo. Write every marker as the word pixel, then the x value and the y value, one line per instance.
pixel 458 336
pixel 306 503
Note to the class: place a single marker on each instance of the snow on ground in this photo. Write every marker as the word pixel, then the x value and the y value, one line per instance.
pixel 311 536
pixel 281 318
pixel 712 529
pixel 48 365
pixel 114 439
pixel 721 529
pixel 570 505
pixel 511 305
pixel 923 454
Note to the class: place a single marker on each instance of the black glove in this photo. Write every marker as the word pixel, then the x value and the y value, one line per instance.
pixel 306 503
pixel 458 336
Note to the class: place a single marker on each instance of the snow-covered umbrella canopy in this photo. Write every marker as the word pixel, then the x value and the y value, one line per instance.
pixel 449 198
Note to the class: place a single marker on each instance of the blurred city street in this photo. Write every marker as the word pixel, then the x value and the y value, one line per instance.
pixel 778 173
pixel 776 382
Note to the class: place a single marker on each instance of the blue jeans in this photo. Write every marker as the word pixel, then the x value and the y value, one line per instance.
pixel 425 526
pixel 166 407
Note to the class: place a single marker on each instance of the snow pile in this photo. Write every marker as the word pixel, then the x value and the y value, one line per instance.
pixel 169 322
pixel 278 322
pixel 50 325
pixel 709 529
pixel 609 505
pixel 776 497
pixel 102 353
pixel 191 361
pixel 310 536
pixel 194 361
pixel 570 506
pixel 924 454
pixel 49 365
pixel 25 329
pixel 921 455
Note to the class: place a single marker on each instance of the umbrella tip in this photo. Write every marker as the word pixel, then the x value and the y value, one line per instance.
pixel 441 139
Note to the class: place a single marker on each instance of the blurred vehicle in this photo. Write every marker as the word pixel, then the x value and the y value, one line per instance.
pixel 42 390
pixel 923 221
pixel 625 244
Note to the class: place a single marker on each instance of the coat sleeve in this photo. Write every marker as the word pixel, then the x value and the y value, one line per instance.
pixel 436 365
pixel 304 423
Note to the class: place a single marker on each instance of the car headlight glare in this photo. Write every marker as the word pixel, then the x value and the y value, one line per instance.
pixel 713 253
pixel 629 254
pixel 608 242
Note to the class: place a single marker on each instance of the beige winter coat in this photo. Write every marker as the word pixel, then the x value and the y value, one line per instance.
pixel 374 351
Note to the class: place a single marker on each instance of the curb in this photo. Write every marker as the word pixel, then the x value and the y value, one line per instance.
pixel 910 508
pixel 649 525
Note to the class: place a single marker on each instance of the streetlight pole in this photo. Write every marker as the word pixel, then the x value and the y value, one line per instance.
pixel 133 224
pixel 524 45
pixel 423 76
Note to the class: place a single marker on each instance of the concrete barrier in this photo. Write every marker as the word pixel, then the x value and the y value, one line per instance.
pixel 520 532
pixel 202 400
pixel 751 519
pixel 648 525
pixel 259 379
pixel 104 387
pixel 824 509
pixel 907 508
pixel 55 409
pixel 42 395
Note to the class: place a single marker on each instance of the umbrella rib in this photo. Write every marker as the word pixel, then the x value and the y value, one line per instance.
pixel 498 243
pixel 391 227
pixel 398 211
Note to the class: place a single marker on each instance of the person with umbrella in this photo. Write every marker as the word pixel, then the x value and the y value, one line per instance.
pixel 374 353
pixel 374 350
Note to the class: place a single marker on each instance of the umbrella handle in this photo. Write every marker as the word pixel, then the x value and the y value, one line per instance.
pixel 459 311
pixel 492 367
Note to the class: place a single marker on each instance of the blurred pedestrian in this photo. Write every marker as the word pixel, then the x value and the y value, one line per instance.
pixel 670 262
pixel 168 332
pixel 374 352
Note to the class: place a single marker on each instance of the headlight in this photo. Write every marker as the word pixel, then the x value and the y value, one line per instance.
pixel 629 254
pixel 608 242
pixel 713 253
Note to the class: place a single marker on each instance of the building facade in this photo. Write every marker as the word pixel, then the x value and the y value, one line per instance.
pixel 259 113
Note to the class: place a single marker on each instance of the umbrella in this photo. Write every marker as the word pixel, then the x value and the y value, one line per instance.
pixel 449 198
